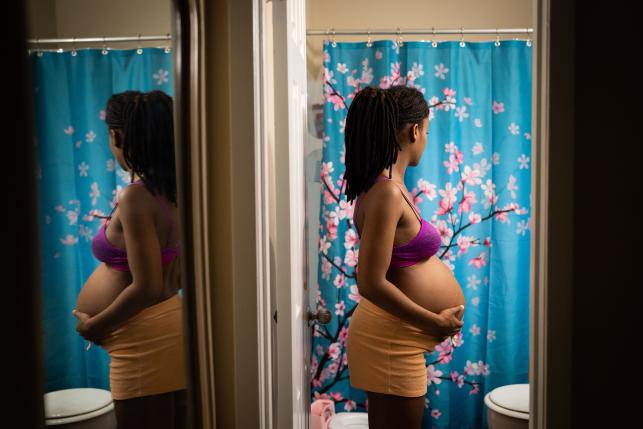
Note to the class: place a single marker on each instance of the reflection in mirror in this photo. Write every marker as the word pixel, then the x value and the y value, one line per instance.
pixel 107 189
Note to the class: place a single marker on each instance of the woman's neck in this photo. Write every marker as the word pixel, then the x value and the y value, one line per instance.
pixel 398 172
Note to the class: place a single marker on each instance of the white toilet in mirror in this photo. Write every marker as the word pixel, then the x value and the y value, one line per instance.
pixel 508 407
pixel 82 408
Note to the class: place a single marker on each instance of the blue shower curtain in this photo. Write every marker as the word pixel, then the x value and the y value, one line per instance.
pixel 473 184
pixel 79 177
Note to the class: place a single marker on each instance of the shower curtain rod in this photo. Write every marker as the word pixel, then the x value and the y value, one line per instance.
pixel 72 40
pixel 422 31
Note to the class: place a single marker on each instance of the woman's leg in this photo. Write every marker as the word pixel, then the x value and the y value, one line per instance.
pixel 390 411
pixel 181 409
pixel 163 411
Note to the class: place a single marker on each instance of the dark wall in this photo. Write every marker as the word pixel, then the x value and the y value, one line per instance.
pixel 607 186
pixel 23 375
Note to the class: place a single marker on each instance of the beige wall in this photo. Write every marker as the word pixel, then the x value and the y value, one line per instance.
pixel 364 14
pixel 98 18
pixel 41 18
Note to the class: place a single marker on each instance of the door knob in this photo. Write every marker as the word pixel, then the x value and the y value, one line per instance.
pixel 322 316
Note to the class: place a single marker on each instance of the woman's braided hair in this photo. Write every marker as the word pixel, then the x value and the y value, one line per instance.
pixel 147 123
pixel 371 134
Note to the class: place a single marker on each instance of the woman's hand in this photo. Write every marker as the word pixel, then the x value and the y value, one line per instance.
pixel 86 329
pixel 449 322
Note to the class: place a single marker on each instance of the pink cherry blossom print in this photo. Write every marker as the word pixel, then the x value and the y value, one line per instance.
pixel 479 261
pixel 498 107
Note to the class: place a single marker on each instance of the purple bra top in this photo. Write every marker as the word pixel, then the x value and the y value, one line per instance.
pixel 116 258
pixel 424 245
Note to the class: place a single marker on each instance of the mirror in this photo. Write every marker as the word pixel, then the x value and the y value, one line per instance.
pixel 114 329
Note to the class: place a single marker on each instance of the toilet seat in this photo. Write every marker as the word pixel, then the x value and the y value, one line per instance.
pixel 352 420
pixel 74 405
pixel 511 400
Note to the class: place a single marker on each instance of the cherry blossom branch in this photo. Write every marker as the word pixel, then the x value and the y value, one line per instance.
pixel 335 92
pixel 325 334
pixel 358 87
pixel 341 270
pixel 335 197
pixel 471 383
pixel 469 224
pixel 439 361
pixel 338 378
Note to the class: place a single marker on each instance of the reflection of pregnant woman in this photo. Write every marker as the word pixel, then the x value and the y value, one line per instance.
pixel 410 300
pixel 130 304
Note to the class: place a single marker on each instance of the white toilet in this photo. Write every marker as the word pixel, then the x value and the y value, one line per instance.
pixel 508 407
pixel 82 408
pixel 349 421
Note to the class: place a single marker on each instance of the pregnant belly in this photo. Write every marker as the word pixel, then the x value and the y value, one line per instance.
pixel 429 283
pixel 101 289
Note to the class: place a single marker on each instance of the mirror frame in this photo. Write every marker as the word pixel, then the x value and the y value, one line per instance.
pixel 189 135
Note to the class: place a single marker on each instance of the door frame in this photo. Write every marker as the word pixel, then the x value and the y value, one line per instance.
pixel 540 375
pixel 279 147
pixel 265 296
pixel 539 203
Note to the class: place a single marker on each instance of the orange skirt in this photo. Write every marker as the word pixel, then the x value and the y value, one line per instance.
pixel 147 353
pixel 386 354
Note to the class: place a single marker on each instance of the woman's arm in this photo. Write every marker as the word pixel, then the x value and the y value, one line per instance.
pixel 143 255
pixel 376 244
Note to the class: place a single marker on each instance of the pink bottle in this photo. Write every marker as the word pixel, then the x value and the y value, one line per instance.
pixel 321 411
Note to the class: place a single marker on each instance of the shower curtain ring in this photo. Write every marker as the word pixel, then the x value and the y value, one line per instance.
pixel 529 37
pixel 38 51
pixel 104 51
pixel 332 39
pixel 497 38
pixel 369 43
pixel 168 49
pixel 139 50
pixel 434 43
pixel 73 47
pixel 400 41
pixel 462 37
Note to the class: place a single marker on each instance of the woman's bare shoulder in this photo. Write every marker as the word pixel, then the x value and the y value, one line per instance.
pixel 384 195
pixel 136 197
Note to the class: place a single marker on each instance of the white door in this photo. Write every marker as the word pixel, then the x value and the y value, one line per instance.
pixel 293 335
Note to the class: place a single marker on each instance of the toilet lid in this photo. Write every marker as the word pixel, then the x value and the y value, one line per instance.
pixel 73 402
pixel 514 397
pixel 349 421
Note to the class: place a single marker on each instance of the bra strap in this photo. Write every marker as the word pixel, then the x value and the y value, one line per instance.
pixel 407 200
pixel 379 178
pixel 109 217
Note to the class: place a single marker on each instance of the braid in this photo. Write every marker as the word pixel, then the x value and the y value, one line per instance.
pixel 412 106
pixel 371 138
pixel 148 144
pixel 371 134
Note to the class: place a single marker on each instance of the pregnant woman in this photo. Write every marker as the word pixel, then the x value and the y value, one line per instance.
pixel 130 304
pixel 410 300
